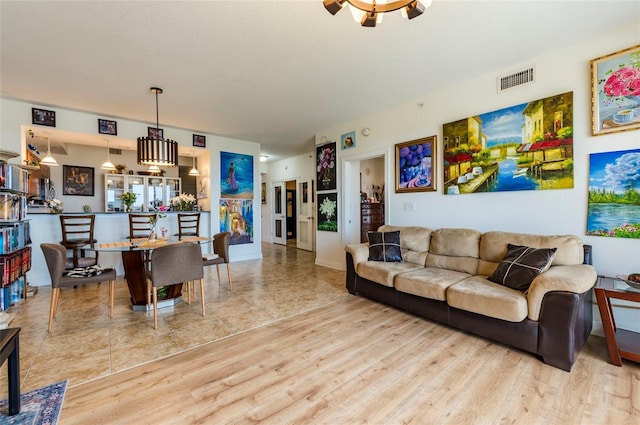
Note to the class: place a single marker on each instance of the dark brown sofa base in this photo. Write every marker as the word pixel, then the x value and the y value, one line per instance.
pixel 564 325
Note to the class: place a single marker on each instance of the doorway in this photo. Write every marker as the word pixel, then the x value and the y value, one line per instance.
pixel 292 213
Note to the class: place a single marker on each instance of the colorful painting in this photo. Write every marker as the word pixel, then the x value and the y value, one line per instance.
pixel 614 194
pixel 236 217
pixel 326 166
pixel 328 212
pixel 523 147
pixel 78 181
pixel 615 92
pixel 348 140
pixel 415 165
pixel 236 175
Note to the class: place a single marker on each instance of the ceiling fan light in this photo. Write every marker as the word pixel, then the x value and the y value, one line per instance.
pixel 414 9
pixel 369 20
pixel 333 6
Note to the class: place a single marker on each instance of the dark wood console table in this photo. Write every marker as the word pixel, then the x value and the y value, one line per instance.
pixel 622 344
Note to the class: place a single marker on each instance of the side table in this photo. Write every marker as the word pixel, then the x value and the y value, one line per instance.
pixel 9 349
pixel 622 344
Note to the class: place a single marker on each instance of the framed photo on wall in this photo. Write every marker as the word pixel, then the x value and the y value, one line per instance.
pixel 155 133
pixel 328 212
pixel 199 141
pixel 107 127
pixel 43 117
pixel 615 92
pixel 77 180
pixel 415 165
pixel 348 140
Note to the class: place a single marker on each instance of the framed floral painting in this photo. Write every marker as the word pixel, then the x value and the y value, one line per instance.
pixel 615 92
pixel 326 166
pixel 328 212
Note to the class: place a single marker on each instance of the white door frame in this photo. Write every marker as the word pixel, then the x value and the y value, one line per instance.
pixel 305 212
pixel 282 215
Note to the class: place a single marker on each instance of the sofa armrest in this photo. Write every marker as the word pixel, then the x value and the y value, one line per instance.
pixel 359 252
pixel 577 278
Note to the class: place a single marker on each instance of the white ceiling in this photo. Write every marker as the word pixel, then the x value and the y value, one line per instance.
pixel 273 72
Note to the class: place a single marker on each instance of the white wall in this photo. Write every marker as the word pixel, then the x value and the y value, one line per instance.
pixel 15 117
pixel 541 211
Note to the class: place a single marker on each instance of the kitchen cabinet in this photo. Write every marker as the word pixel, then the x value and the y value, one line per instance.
pixel 152 192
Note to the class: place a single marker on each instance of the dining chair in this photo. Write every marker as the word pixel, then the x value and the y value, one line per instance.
pixel 55 255
pixel 77 232
pixel 220 254
pixel 172 264
pixel 140 225
pixel 188 224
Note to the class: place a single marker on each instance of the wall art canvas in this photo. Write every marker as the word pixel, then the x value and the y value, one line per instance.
pixel 236 175
pixel 78 181
pixel 348 140
pixel 614 194
pixel 236 217
pixel 326 167
pixel 523 147
pixel 328 212
pixel 415 165
pixel 615 92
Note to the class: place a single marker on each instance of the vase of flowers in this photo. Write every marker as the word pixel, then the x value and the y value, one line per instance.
pixel 128 199
pixel 154 221
pixel 55 205
pixel 183 202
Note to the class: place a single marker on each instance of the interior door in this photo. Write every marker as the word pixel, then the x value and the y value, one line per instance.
pixel 305 209
pixel 278 214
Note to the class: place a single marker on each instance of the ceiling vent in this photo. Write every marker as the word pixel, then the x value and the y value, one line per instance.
pixel 115 151
pixel 515 79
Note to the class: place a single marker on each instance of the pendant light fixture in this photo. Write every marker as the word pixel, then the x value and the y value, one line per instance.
pixel 157 150
pixel 194 171
pixel 108 165
pixel 370 12
pixel 154 169
pixel 49 160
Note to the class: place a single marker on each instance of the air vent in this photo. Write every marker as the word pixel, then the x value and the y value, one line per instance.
pixel 115 151
pixel 516 79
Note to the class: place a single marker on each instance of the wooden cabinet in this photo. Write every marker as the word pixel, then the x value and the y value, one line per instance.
pixel 371 217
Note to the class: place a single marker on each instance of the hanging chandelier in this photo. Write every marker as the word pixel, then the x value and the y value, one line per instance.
pixel 157 150
pixel 369 13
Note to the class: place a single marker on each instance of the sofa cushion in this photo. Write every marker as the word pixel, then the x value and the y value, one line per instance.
pixel 454 249
pixel 414 241
pixel 493 246
pixel 520 265
pixel 478 295
pixel 429 282
pixel 384 246
pixel 384 273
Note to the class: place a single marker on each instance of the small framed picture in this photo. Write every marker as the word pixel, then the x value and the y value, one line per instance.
pixel 199 141
pixel 77 180
pixel 155 133
pixel 615 92
pixel 43 117
pixel 107 127
pixel 348 140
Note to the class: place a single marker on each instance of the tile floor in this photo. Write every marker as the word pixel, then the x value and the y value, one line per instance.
pixel 85 344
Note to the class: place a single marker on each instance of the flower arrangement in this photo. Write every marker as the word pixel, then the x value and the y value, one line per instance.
pixel 128 198
pixel 183 202
pixel 623 83
pixel 55 205
pixel 328 208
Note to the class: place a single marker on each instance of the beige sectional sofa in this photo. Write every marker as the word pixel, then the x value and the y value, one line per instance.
pixel 443 277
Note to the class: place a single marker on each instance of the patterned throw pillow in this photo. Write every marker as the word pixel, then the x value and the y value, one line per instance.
pixel 84 271
pixel 521 265
pixel 385 246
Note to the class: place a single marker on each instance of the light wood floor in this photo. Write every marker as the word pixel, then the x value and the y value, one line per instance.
pixel 356 361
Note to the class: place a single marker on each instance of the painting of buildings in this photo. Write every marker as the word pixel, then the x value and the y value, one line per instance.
pixel 236 217
pixel 523 147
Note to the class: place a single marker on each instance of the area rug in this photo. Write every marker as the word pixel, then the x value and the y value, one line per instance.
pixel 37 407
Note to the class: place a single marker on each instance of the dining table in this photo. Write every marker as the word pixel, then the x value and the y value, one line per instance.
pixel 136 255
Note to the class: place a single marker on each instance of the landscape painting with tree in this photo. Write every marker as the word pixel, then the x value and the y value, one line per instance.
pixel 614 194
pixel 523 147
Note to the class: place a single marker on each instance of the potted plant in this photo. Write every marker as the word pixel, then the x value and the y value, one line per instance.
pixel 120 168
pixel 128 199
